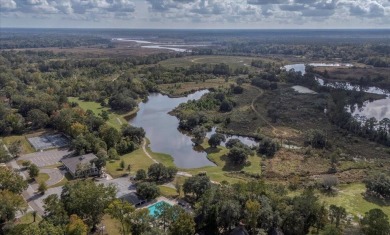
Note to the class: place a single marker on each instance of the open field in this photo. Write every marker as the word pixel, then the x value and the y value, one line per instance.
pixel 26 146
pixel 223 167
pixel 137 159
pixel 112 226
pixel 351 198
pixel 115 119
pixel 233 61
pixel 168 191
pixel 186 87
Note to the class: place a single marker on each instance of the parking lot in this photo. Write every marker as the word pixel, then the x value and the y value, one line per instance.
pixel 45 158
pixel 123 184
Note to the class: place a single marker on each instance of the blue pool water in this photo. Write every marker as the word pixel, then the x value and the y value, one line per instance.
pixel 153 209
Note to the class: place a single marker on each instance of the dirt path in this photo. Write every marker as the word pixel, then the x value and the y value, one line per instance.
pixel 278 133
pixel 146 152
pixel 119 121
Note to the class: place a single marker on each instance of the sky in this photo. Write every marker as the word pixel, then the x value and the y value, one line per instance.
pixel 195 14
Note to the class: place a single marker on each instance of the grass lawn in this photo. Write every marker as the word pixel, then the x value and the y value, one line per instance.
pixel 42 177
pixel 28 218
pixel 167 191
pixel 112 226
pixel 26 147
pixel 350 197
pixel 218 172
pixel 137 159
pixel 182 88
pixel 115 119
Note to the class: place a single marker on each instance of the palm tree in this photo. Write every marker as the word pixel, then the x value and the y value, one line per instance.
pixel 34 214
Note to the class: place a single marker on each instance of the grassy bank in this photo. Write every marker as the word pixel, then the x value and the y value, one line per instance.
pixel 115 119
pixel 351 197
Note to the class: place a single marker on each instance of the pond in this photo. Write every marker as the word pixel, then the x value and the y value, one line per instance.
pixel 245 140
pixel 378 109
pixel 162 130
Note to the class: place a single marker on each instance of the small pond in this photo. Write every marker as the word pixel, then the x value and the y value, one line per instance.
pixel 245 140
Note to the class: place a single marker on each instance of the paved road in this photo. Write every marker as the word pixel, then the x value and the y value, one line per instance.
pixel 55 175
pixel 45 158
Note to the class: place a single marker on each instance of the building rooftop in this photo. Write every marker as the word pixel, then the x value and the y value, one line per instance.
pixel 73 162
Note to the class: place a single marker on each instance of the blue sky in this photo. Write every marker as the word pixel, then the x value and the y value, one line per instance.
pixel 233 14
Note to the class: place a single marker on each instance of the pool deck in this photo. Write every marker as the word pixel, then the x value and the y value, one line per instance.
pixel 167 200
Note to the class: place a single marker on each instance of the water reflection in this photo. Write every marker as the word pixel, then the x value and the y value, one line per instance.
pixel 245 140
pixel 161 130
pixel 378 109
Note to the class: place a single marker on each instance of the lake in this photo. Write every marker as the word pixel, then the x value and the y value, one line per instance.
pixel 162 130
pixel 378 109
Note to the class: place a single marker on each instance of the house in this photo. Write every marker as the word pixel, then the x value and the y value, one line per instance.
pixel 133 198
pixel 81 166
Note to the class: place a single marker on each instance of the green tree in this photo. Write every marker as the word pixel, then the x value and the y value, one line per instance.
pixel 15 148
pixel 33 171
pixel 122 164
pixel 252 211
pixel 378 184
pixel 10 203
pixel 237 156
pixel 182 225
pixel 316 139
pixel 110 135
pixel 37 118
pixel 42 188
pixel 76 226
pixel 196 185
pixel 11 181
pixel 121 210
pixel 42 228
pixel 54 210
pixel 229 213
pixel 337 215
pixel 148 190
pixel 34 214
pixel 113 154
pixel 199 134
pixel 375 222
pixel 331 229
pixel 139 222
pixel 268 147
pixel 140 175
pixel 26 164
pixel 216 139
pixel 178 188
pixel 157 172
pixel 87 199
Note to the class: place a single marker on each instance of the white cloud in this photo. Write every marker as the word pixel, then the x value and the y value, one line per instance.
pixel 8 4
pixel 203 12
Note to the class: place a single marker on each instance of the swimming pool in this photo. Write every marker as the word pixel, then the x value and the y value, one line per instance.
pixel 153 209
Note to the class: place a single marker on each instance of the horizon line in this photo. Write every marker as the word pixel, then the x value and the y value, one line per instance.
pixel 10 27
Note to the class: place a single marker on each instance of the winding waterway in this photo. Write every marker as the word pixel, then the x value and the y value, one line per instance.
pixel 378 109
